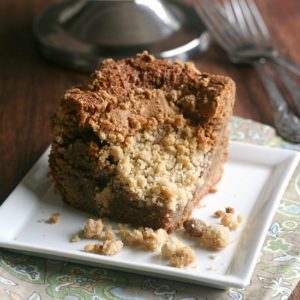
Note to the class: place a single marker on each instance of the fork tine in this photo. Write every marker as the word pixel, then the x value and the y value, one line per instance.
pixel 240 20
pixel 250 20
pixel 259 20
pixel 229 12
pixel 254 28
pixel 207 18
pixel 228 27
pixel 257 34
pixel 223 31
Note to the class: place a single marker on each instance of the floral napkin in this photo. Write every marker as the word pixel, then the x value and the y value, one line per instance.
pixel 276 274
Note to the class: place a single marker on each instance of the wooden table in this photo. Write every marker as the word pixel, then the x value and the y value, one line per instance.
pixel 30 87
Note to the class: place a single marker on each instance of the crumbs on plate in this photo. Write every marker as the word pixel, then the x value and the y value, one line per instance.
pixel 178 254
pixel 93 229
pixel 108 247
pixel 53 218
pixel 75 239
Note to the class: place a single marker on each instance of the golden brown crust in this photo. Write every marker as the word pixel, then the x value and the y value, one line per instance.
pixel 131 94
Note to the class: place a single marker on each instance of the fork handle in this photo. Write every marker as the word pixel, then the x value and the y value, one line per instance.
pixel 277 100
pixel 282 115
pixel 281 61
pixel 291 85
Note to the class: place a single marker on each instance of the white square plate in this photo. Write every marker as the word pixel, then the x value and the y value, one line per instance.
pixel 253 183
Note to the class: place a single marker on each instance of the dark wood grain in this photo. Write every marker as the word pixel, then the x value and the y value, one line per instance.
pixel 30 87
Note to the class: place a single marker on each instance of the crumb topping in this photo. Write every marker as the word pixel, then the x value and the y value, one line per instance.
pixel 183 257
pixel 218 214
pixel 161 166
pixel 214 256
pixel 230 220
pixel 227 219
pixel 194 227
pixel 213 190
pixel 147 237
pixel 179 255
pixel 170 246
pixel 54 218
pixel 133 237
pixel 142 92
pixel 211 268
pixel 108 248
pixel 93 248
pixel 215 237
pixel 153 240
pixel 229 210
pixel 108 233
pixel 240 218
pixel 75 239
pixel 112 247
pixel 93 229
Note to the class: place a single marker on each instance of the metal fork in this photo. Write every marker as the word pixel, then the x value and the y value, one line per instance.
pixel 246 13
pixel 252 26
pixel 239 28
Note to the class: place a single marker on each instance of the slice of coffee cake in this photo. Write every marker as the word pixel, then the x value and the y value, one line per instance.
pixel 143 142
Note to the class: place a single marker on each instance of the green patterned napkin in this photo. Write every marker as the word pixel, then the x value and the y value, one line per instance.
pixel 276 274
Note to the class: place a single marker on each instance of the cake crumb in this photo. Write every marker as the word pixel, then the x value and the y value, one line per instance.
pixel 170 246
pixel 151 239
pixel 218 214
pixel 111 247
pixel 92 248
pixel 215 237
pixel 230 221
pixel 201 205
pixel 179 254
pixel 227 219
pixel 240 218
pixel 133 237
pixel 54 218
pixel 214 256
pixel 229 210
pixel 108 233
pixel 108 248
pixel 194 227
pixel 213 190
pixel 93 229
pixel 211 268
pixel 75 239
pixel 234 225
pixel 183 257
